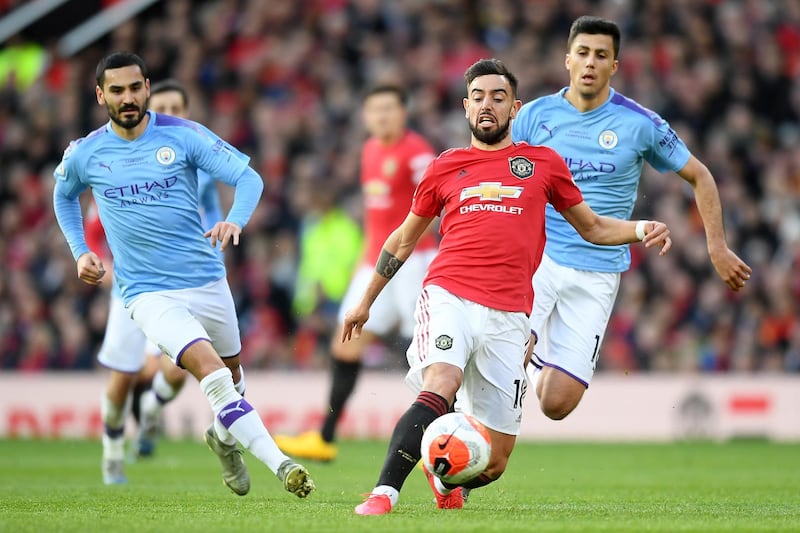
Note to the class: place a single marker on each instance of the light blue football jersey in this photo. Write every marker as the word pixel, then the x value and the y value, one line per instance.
pixel 605 149
pixel 147 195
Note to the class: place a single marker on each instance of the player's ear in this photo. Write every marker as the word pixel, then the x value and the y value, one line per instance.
pixel 466 108
pixel 566 61
pixel 99 93
pixel 515 108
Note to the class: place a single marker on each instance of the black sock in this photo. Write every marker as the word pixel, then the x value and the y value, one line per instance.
pixel 344 375
pixel 138 389
pixel 480 481
pixel 404 452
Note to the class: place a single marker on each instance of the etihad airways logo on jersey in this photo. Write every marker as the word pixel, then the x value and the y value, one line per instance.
pixel 491 191
pixel 141 193
pixel 584 169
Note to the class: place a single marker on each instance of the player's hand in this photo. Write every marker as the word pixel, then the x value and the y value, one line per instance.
pixel 224 232
pixel 90 269
pixel 733 271
pixel 354 321
pixel 657 234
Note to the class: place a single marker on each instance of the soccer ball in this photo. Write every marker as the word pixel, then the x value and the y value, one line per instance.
pixel 456 448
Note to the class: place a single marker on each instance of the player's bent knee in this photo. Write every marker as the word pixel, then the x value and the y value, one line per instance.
pixel 558 408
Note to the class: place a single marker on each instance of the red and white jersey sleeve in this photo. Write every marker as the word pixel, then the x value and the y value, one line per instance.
pixel 389 175
pixel 493 231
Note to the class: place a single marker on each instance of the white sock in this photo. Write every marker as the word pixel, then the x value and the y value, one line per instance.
pixel 163 390
pixel 114 428
pixel 239 385
pixel 222 432
pixel 239 418
pixel 113 447
pixel 440 486
pixel 149 404
pixel 391 492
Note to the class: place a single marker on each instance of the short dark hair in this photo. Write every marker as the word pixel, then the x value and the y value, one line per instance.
pixel 396 90
pixel 118 60
pixel 486 67
pixel 170 84
pixel 595 26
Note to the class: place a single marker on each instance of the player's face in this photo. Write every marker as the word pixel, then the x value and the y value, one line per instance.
pixel 591 63
pixel 169 103
pixel 384 116
pixel 490 106
pixel 125 93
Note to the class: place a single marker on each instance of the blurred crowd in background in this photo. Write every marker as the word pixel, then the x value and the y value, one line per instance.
pixel 282 80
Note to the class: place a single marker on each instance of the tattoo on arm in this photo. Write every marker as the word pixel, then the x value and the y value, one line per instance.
pixel 388 265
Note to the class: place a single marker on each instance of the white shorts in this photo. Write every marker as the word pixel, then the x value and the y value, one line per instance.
pixel 394 306
pixel 124 344
pixel 486 344
pixel 571 309
pixel 176 319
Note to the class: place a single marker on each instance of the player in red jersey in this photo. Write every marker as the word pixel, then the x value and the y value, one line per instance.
pixel 392 162
pixel 472 332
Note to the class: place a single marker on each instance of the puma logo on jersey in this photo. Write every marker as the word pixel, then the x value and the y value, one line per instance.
pixel 103 165
pixel 548 130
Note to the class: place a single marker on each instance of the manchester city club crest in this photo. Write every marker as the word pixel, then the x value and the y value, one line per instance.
pixel 521 167
pixel 165 155
pixel 608 139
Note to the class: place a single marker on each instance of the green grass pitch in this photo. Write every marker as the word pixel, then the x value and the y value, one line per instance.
pixel 738 486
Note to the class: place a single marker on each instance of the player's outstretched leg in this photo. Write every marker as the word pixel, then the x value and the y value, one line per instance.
pixel 236 419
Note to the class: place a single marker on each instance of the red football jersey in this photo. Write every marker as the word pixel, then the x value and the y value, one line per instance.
pixel 389 175
pixel 493 223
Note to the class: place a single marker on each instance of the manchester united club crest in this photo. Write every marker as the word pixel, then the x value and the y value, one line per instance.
pixel 444 342
pixel 389 167
pixel 521 167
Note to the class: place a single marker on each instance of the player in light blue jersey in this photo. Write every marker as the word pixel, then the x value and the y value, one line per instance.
pixel 142 170
pixel 604 138
pixel 159 380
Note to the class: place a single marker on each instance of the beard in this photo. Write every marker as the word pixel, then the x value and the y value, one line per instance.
pixel 127 123
pixel 492 136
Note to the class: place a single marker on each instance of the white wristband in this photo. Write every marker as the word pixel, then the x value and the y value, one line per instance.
pixel 640 233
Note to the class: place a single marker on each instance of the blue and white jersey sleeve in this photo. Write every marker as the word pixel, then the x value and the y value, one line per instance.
pixel 65 201
pixel 605 150
pixel 223 162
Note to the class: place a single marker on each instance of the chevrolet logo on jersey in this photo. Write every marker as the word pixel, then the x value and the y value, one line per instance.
pixel 493 191
pixel 490 190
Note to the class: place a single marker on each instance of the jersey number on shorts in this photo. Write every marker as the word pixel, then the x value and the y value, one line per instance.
pixel 520 387
pixel 596 348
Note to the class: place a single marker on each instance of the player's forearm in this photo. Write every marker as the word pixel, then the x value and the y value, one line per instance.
pixel 395 251
pixel 249 187
pixel 599 229
pixel 70 220
pixel 710 209
pixel 611 231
